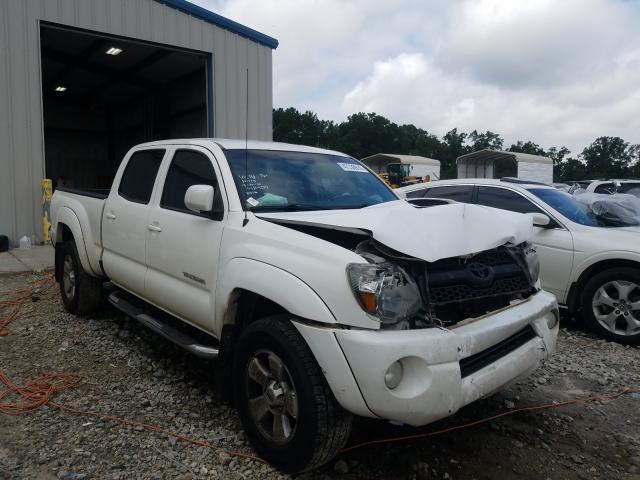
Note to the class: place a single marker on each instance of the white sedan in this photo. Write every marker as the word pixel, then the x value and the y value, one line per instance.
pixel 591 268
pixel 614 186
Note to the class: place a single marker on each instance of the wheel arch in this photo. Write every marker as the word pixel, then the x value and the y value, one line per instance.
pixel 68 228
pixel 574 298
pixel 270 286
pixel 250 290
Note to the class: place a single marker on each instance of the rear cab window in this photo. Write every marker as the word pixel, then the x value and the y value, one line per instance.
pixel 136 184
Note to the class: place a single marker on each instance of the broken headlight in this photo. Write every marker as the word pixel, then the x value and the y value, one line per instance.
pixel 384 290
pixel 532 261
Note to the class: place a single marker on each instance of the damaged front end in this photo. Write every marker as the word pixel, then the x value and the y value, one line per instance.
pixel 405 292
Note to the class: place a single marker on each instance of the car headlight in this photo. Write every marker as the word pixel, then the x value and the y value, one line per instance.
pixel 384 290
pixel 532 260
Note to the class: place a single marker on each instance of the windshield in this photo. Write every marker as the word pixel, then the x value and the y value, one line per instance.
pixel 568 206
pixel 304 181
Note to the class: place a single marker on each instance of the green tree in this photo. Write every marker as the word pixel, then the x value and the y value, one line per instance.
pixel 486 140
pixel 453 145
pixel 292 126
pixel 570 169
pixel 527 147
pixel 608 157
pixel 364 134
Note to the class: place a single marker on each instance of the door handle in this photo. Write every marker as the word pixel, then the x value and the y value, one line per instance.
pixel 154 228
pixel 110 216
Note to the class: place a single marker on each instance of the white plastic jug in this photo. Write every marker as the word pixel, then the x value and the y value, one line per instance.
pixel 25 243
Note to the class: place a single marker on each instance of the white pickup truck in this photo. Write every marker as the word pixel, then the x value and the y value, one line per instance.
pixel 321 294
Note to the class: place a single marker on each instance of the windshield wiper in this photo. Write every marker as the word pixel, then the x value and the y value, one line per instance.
pixel 301 207
pixel 350 207
pixel 291 207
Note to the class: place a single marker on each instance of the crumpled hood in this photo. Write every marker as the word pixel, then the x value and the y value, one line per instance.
pixel 430 233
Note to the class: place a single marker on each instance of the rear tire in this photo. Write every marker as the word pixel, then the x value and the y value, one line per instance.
pixel 611 304
pixel 289 413
pixel 81 293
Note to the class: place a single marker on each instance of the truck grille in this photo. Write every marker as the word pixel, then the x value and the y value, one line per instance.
pixel 458 293
pixel 464 287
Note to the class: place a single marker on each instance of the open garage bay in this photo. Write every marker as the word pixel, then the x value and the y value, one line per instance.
pixel 102 95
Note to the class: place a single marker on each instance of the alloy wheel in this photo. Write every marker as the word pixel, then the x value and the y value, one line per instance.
pixel 272 397
pixel 616 306
pixel 69 278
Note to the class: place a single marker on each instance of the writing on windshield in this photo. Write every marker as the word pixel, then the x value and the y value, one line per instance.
pixel 272 180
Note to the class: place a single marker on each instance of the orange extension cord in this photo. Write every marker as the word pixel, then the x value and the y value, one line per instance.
pixel 40 389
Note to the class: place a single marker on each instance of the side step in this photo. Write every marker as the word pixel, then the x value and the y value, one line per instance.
pixel 162 323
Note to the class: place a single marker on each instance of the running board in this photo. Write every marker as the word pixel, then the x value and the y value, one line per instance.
pixel 132 306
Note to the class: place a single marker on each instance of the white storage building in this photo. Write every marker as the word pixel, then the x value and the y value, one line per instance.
pixel 484 164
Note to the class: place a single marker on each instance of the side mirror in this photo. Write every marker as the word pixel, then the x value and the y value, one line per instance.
pixel 540 219
pixel 199 198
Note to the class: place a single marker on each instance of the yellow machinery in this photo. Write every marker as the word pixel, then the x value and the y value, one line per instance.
pixel 399 170
pixel 398 175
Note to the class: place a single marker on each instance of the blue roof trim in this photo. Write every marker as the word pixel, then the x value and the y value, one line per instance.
pixel 222 22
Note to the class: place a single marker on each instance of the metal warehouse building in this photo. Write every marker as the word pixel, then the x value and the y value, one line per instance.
pixel 81 81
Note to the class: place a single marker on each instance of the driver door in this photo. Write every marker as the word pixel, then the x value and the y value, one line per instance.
pixel 183 245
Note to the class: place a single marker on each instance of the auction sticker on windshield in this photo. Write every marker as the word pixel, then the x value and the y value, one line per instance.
pixel 352 167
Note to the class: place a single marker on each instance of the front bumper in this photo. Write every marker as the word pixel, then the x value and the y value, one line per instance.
pixel 433 384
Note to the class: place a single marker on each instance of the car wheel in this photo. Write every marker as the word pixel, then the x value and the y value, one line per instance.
pixel 288 411
pixel 611 304
pixel 81 293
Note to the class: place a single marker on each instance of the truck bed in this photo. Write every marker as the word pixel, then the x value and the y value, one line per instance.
pixel 101 193
pixel 81 210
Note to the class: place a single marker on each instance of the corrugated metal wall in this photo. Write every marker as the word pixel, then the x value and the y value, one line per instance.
pixel 21 125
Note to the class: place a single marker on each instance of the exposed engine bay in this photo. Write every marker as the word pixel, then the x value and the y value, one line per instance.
pixel 405 292
pixel 452 289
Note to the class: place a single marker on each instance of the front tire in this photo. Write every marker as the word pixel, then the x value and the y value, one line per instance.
pixel 81 293
pixel 611 304
pixel 289 413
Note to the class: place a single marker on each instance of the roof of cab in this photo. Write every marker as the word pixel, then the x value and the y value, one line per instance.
pixel 235 144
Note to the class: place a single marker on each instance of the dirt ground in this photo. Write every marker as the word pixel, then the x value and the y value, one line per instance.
pixel 139 376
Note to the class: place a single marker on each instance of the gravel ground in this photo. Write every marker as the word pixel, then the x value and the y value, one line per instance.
pixel 137 375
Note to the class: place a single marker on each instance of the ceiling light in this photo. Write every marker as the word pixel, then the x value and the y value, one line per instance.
pixel 60 88
pixel 113 51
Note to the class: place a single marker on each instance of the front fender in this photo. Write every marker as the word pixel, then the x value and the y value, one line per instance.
pixel 66 217
pixel 585 263
pixel 278 285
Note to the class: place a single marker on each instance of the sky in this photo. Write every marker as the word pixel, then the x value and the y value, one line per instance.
pixel 557 72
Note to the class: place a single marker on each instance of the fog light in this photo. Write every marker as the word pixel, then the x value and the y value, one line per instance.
pixel 393 377
pixel 552 320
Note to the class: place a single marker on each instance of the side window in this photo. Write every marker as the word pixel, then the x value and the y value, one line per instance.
pixel 139 175
pixel 506 200
pixel 188 167
pixel 459 193
pixel 605 188
pixel 418 193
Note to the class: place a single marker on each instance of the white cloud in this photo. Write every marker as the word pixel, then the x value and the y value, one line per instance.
pixel 556 72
